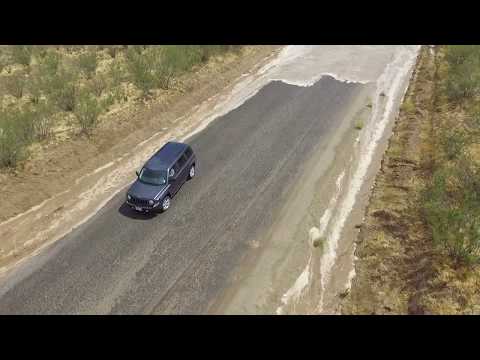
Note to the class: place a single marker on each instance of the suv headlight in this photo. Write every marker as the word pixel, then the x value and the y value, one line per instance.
pixel 129 197
pixel 151 202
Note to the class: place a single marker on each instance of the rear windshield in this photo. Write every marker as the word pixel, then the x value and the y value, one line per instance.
pixel 153 177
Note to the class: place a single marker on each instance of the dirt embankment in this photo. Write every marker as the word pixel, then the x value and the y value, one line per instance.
pixel 54 165
pixel 398 268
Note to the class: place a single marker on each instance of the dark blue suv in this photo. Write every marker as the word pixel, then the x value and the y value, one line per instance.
pixel 161 177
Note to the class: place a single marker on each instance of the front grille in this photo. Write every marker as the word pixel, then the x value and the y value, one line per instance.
pixel 139 202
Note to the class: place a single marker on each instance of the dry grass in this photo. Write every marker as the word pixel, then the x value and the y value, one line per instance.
pixel 401 269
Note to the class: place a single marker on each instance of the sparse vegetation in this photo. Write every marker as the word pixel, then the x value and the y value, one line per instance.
pixel 21 54
pixel 359 124
pixel 408 106
pixel 14 84
pixel 463 80
pixel 48 84
pixel 87 111
pixel 87 63
pixel 16 133
pixel 452 199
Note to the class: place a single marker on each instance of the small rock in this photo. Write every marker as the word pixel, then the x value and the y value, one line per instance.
pixel 344 293
pixel 317 242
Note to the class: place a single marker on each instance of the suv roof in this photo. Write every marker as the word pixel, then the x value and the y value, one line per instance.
pixel 166 156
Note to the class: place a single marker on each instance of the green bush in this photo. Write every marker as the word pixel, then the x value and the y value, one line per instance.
pixel 141 67
pixel 64 95
pixel 451 202
pixel 49 64
pixel 156 66
pixel 42 121
pixel 456 55
pixel 116 74
pixel 3 62
pixel 16 133
pixel 39 51
pixel 463 78
pixel 21 54
pixel 108 101
pixel 87 63
pixel 358 124
pixel 174 60
pixel 97 85
pixel 408 106
pixel 453 142
pixel 87 111
pixel 61 89
pixel 451 206
pixel 113 50
pixel 14 84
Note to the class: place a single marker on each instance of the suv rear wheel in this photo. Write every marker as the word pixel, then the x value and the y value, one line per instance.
pixel 191 173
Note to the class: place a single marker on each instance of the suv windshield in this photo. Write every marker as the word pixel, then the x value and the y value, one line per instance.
pixel 153 177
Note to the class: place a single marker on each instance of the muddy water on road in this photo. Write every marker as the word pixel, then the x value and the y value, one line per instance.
pixel 286 274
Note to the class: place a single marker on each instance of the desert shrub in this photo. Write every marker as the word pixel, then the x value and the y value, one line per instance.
pixel 116 74
pixel 174 60
pixel 3 62
pixel 108 101
pixel 451 206
pixel 39 51
pixel 21 54
pixel 463 77
pixel 408 106
pixel 87 111
pixel 451 201
pixel 72 49
pixel 60 88
pixel 64 94
pixel 463 83
pixel 97 85
pixel 113 50
pixel 358 124
pixel 43 75
pixel 456 55
pixel 51 79
pixel 118 94
pixel 49 64
pixel 14 84
pixel 42 120
pixel 156 66
pixel 453 142
pixel 141 68
pixel 16 133
pixel 87 63
pixel 34 89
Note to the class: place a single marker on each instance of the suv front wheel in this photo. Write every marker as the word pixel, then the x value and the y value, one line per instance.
pixel 166 203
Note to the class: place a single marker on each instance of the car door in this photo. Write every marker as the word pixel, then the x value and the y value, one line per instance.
pixel 183 171
pixel 174 178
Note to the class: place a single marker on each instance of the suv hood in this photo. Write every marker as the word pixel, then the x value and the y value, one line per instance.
pixel 145 191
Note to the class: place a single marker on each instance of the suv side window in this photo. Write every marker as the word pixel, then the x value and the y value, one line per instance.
pixel 183 159
pixel 176 168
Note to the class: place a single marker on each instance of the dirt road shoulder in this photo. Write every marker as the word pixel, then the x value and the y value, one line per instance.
pixel 399 270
